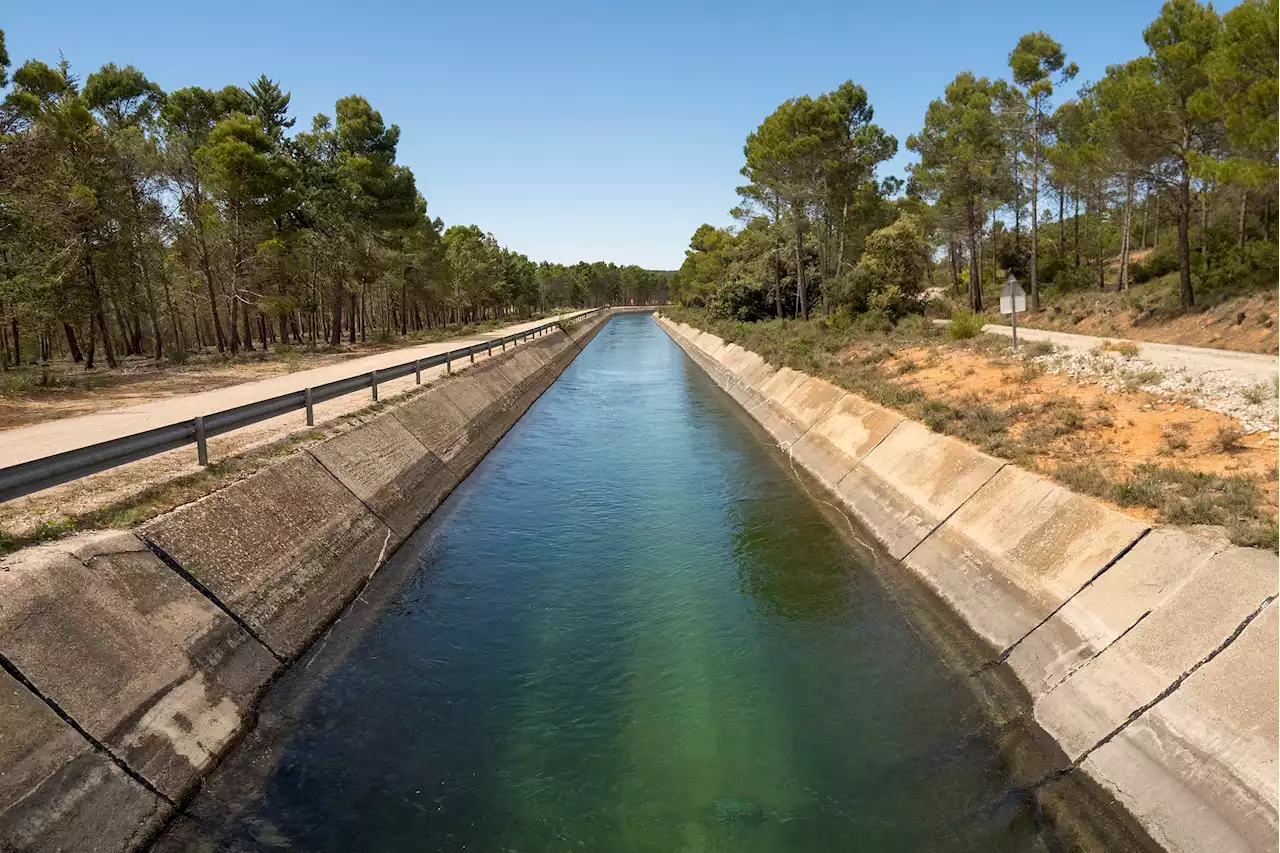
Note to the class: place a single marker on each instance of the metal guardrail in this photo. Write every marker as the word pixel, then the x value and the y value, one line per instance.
pixel 27 477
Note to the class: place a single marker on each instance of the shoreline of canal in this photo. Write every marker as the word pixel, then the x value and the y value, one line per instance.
pixel 132 662
pixel 964 564
pixel 1083 815
pixel 940 631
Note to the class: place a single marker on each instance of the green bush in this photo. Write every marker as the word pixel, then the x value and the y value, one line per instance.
pixel 890 275
pixel 965 324
pixel 1071 279
pixel 1158 263
pixel 739 300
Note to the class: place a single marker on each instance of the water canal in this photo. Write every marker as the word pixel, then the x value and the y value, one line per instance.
pixel 629 630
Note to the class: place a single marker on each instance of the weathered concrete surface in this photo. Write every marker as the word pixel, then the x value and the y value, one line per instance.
pixel 1017 550
pixel 1196 619
pixel 284 550
pixel 57 792
pixel 136 656
pixel 838 440
pixel 911 482
pixel 1143 664
pixel 485 396
pixel 390 471
pixel 1142 580
pixel 444 429
pixel 749 373
pixel 800 410
pixel 1199 769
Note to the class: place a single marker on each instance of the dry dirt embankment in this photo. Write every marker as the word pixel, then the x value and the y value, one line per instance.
pixel 130 661
pixel 1148 653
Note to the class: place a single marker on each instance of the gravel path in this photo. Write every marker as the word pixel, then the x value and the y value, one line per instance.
pixel 126 482
pixel 1238 384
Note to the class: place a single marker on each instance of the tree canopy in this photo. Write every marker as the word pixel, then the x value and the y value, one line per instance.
pixel 139 222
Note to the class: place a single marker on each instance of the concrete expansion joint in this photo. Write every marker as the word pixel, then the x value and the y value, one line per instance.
pixel 199 587
pixel 343 485
pixel 1093 657
pixel 12 669
pixel 941 523
pixel 1004 655
pixel 1163 694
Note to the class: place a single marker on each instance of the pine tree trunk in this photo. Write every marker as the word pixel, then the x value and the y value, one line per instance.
pixel 1035 204
pixel 1062 222
pixel 975 270
pixel 1076 226
pixel 1204 226
pixel 1122 281
pixel 72 343
pixel 802 296
pixel 1185 293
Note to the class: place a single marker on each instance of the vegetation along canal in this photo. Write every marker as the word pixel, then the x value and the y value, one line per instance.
pixel 629 630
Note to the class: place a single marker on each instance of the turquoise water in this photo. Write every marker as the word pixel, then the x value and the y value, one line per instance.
pixel 628 630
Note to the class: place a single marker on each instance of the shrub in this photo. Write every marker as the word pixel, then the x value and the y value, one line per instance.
pixel 890 275
pixel 1227 438
pixel 965 324
pixel 177 355
pixel 1157 264
pixel 738 300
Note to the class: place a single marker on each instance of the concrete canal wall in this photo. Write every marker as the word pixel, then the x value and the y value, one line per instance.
pixel 132 660
pixel 1149 654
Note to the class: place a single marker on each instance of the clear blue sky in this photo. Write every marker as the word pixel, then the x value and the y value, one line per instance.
pixel 577 131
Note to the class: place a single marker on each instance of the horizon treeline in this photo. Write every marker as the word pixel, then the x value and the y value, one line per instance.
pixel 135 221
pixel 1173 152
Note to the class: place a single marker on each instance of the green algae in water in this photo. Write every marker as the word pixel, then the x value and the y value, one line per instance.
pixel 628 630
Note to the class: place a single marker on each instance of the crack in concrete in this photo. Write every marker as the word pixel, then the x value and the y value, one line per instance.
pixel 1096 654
pixel 1004 655
pixel 166 558
pixel 1161 696
pixel 951 514
pixel 12 669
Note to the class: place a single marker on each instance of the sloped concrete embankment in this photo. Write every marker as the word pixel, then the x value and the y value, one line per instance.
pixel 131 661
pixel 1149 654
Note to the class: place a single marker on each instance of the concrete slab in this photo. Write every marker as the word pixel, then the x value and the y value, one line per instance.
pixel 57 793
pixel 1139 583
pixel 132 652
pixel 521 368
pixel 483 396
pixel 445 429
pixel 1198 770
pixel 838 440
pixel 390 471
pixel 911 482
pixel 801 409
pixel 284 550
pixel 1017 550
pixel 1134 670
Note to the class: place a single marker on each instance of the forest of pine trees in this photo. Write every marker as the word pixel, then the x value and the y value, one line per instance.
pixel 1174 152
pixel 135 221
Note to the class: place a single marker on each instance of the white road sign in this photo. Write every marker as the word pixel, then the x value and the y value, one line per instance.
pixel 1012 298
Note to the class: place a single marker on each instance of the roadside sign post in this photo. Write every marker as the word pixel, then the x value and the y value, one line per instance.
pixel 1012 300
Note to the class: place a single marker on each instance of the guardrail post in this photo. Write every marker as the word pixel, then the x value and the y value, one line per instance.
pixel 504 345
pixel 311 412
pixel 373 376
pixel 202 446
pixel 417 372
pixel 471 351
pixel 489 350
pixel 448 363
